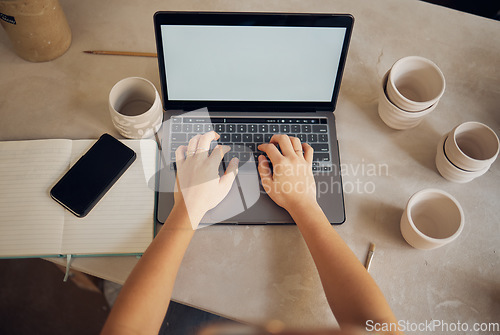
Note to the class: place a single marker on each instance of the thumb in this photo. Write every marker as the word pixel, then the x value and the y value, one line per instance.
pixel 265 173
pixel 226 181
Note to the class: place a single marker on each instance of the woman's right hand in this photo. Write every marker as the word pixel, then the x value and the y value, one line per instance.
pixel 291 183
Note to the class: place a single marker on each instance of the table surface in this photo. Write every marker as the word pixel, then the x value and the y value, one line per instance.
pixel 257 273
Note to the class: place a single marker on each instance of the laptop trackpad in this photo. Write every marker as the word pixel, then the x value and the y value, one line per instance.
pixel 244 193
pixel 247 203
pixel 229 207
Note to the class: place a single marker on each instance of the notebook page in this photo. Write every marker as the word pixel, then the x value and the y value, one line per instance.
pixel 31 222
pixel 123 220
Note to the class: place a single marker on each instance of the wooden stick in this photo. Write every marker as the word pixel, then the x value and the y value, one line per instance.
pixel 369 256
pixel 121 53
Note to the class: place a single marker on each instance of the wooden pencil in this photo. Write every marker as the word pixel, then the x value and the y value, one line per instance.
pixel 369 256
pixel 121 53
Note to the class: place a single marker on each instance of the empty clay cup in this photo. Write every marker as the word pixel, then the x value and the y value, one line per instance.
pixel 394 116
pixel 472 146
pixel 135 107
pixel 415 83
pixel 450 171
pixel 431 219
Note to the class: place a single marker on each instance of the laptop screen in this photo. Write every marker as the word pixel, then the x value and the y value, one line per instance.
pixel 237 63
pixel 255 58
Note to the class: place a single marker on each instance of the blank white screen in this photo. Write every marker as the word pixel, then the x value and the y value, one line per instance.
pixel 241 63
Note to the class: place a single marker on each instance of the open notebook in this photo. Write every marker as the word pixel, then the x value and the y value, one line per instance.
pixel 34 225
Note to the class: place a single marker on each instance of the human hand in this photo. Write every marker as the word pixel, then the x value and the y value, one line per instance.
pixel 199 186
pixel 291 184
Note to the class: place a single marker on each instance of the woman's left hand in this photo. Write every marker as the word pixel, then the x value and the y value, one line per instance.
pixel 199 186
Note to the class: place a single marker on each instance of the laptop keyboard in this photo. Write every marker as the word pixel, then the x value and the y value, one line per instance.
pixel 245 134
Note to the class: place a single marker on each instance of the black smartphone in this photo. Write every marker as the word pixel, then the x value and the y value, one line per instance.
pixel 86 182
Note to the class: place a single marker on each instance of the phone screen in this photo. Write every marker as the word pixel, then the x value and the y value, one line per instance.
pixel 86 182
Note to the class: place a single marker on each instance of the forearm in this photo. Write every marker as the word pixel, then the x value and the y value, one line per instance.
pixel 143 300
pixel 352 294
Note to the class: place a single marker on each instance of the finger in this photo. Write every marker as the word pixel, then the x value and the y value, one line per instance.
pixel 271 151
pixel 205 140
pixel 180 155
pixel 227 179
pixel 308 152
pixel 284 143
pixel 266 176
pixel 218 153
pixel 297 146
pixel 192 145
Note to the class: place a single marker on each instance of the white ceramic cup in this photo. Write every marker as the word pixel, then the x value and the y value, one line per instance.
pixel 415 83
pixel 395 117
pixel 472 146
pixel 431 219
pixel 135 107
pixel 448 170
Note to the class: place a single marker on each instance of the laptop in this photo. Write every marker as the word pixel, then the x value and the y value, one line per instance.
pixel 248 76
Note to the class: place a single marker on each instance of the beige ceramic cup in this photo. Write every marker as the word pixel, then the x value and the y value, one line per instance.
pixel 472 146
pixel 415 83
pixel 431 219
pixel 38 29
pixel 449 170
pixel 135 107
pixel 395 117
